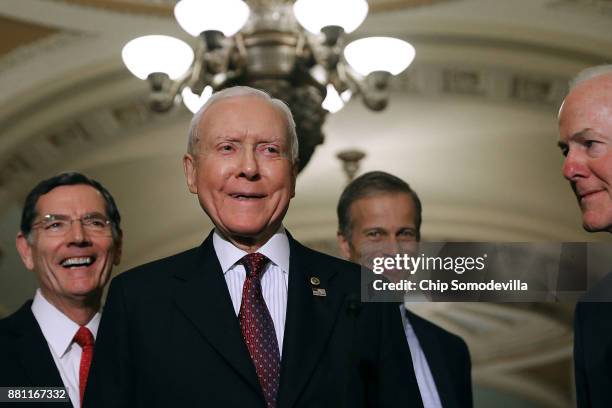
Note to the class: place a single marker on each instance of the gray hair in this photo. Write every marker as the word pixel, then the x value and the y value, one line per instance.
pixel 237 91
pixel 589 73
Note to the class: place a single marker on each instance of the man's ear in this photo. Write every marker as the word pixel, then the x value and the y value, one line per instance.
pixel 344 245
pixel 189 166
pixel 118 249
pixel 25 250
pixel 294 169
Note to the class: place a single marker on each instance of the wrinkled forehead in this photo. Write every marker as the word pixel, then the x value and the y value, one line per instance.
pixel 237 115
pixel 586 108
pixel 384 209
pixel 75 199
pixel 593 92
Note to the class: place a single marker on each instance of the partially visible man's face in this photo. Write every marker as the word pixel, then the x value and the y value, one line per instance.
pixel 77 265
pixel 243 173
pixel 585 129
pixel 381 225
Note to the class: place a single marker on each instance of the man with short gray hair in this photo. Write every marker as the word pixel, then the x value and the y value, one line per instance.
pixel 585 139
pixel 251 318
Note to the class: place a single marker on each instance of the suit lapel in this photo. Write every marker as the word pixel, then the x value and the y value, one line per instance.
pixel 34 351
pixel 202 295
pixel 308 324
pixel 435 359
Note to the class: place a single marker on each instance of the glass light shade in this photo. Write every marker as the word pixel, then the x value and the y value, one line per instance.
pixel 157 53
pixel 346 95
pixel 192 101
pixel 316 14
pixel 197 16
pixel 332 102
pixel 379 54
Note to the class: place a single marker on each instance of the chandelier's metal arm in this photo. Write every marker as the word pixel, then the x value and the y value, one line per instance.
pixel 197 81
pixel 300 46
pixel 346 78
pixel 242 51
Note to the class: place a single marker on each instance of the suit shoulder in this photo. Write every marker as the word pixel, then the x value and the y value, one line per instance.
pixel 347 271
pixel 331 261
pixel 448 338
pixel 601 292
pixel 18 318
pixel 158 269
pixel 7 326
pixel 13 326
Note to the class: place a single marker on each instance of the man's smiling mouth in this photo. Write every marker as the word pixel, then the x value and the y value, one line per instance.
pixel 75 262
pixel 247 196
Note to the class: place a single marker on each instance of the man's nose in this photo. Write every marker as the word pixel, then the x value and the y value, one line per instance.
pixel 249 166
pixel 78 234
pixel 574 166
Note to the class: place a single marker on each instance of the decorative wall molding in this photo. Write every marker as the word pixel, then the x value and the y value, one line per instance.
pixel 42 150
pixel 46 150
pixel 161 8
pixel 598 7
pixel 392 5
pixel 486 82
pixel 47 45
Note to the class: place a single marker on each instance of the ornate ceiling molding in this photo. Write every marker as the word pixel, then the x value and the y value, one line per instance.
pixel 15 33
pixel 45 148
pixel 160 8
pixel 46 45
pixel 164 7
pixel 596 7
pixel 484 82
pixel 382 6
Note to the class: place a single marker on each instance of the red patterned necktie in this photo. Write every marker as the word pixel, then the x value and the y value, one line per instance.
pixel 85 339
pixel 258 328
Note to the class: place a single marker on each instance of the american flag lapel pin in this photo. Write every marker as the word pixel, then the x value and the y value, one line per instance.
pixel 314 281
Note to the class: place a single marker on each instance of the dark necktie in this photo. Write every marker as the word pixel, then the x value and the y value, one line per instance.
pixel 258 329
pixel 84 338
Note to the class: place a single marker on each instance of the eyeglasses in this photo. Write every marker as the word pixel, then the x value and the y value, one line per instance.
pixel 55 225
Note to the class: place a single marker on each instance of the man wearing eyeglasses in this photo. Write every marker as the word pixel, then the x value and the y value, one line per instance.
pixel 70 237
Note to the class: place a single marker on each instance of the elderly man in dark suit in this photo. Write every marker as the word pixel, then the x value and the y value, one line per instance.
pixel 380 215
pixel 70 238
pixel 250 318
pixel 585 138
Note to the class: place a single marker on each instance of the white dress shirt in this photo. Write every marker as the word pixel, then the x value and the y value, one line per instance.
pixel 274 281
pixel 425 380
pixel 59 332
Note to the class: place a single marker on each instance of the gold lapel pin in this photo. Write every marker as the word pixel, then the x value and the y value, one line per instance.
pixel 314 281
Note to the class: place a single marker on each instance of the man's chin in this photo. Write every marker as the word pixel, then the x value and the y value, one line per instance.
pixel 594 225
pixel 249 234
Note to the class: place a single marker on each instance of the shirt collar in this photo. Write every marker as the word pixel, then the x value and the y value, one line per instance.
pixel 276 249
pixel 57 328
pixel 407 325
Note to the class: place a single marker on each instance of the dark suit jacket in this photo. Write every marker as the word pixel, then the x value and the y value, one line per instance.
pixel 593 347
pixel 25 358
pixel 449 361
pixel 169 337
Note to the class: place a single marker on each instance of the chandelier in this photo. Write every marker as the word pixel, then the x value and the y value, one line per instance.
pixel 293 50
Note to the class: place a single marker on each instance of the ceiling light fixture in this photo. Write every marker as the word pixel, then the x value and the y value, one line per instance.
pixel 293 50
